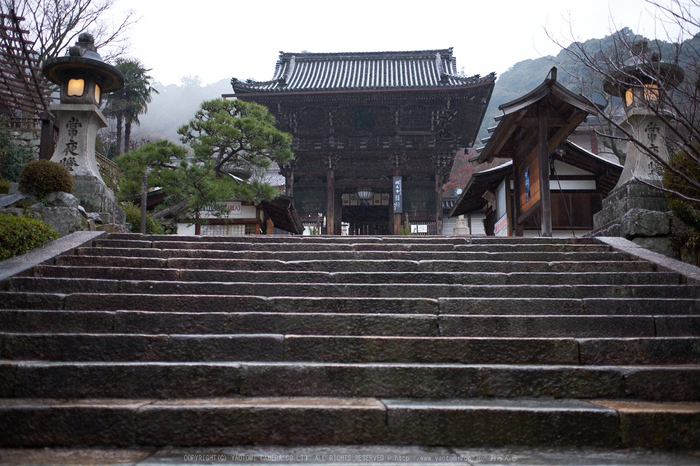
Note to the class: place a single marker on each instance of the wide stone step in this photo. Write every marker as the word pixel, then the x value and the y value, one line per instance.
pixel 234 245
pixel 463 278
pixel 323 289
pixel 37 379
pixel 150 322
pixel 296 421
pixel 479 266
pixel 312 348
pixel 411 239
pixel 461 255
pixel 452 306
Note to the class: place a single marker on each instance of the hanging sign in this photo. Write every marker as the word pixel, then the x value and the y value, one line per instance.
pixel 398 194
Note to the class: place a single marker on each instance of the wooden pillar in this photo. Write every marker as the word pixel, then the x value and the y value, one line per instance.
pixel 270 227
pixel 509 207
pixel 545 198
pixel 517 179
pixel 330 203
pixel 49 135
pixel 438 202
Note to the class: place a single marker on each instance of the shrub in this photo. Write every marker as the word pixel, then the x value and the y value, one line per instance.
pixel 133 216
pixel 21 234
pixel 4 187
pixel 687 211
pixel 41 177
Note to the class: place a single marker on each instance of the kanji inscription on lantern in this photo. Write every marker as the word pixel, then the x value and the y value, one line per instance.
pixel 652 131
pixel 72 145
pixel 69 162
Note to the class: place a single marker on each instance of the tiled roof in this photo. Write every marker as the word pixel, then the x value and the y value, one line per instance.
pixel 355 71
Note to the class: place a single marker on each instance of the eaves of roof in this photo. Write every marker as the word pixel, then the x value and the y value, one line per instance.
pixel 479 183
pixel 510 122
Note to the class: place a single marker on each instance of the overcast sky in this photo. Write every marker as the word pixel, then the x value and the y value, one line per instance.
pixel 220 39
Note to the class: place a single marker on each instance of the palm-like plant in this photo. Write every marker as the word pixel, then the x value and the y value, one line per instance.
pixel 126 104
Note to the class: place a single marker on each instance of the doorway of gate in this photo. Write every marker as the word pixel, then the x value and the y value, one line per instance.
pixel 367 220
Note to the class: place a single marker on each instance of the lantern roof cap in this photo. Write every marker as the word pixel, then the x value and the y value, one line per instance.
pixel 643 67
pixel 83 58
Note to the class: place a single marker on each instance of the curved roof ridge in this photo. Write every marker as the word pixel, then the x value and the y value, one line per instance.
pixel 336 55
pixel 363 70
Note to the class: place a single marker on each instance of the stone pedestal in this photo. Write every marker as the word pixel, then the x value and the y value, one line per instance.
pixel 95 196
pixel 639 213
pixel 78 125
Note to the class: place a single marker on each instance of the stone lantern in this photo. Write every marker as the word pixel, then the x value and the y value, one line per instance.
pixel 635 209
pixel 640 83
pixel 83 78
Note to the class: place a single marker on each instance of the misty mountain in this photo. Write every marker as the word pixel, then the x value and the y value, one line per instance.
pixel 174 106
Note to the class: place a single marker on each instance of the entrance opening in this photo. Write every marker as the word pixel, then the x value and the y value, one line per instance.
pixel 368 220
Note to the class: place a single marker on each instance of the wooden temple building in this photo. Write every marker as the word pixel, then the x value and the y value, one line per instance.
pixel 518 195
pixel 375 134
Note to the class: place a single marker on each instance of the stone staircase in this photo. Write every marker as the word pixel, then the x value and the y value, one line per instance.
pixel 193 341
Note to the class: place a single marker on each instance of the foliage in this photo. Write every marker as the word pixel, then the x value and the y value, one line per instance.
pixel 235 135
pixel 13 156
pixel 133 216
pixel 405 229
pixel 161 159
pixel 4 186
pixel 54 25
pixel 41 177
pixel 462 171
pixel 126 104
pixel 687 210
pixel 229 137
pixel 21 234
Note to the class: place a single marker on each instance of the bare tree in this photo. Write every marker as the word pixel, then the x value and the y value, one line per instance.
pixel 650 69
pixel 55 24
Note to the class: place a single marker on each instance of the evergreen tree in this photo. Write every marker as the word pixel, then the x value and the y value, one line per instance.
pixel 126 104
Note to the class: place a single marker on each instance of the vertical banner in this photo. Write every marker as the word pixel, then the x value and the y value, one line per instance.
pixel 527 184
pixel 398 195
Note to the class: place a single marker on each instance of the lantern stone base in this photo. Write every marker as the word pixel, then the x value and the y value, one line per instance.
pixel 638 212
pixel 95 196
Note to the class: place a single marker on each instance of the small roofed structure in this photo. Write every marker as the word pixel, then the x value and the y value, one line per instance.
pixel 578 180
pixel 530 129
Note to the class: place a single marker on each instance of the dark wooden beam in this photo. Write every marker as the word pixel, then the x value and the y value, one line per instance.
pixel 544 151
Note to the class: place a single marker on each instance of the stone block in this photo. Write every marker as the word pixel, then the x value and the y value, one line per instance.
pixel 127 380
pixel 495 422
pixel 279 421
pixel 660 244
pixel 64 220
pixel 664 384
pixel 669 425
pixel 431 350
pixel 626 351
pixel 642 222
pixel 36 422
pixel 61 199
pixel 555 381
pixel 56 321
pixel 363 380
